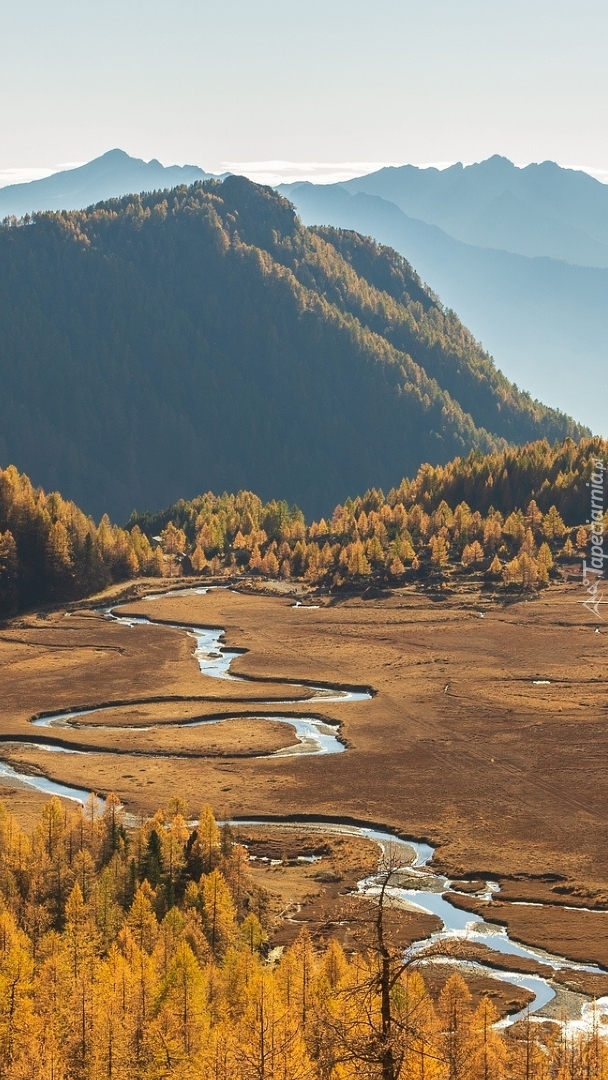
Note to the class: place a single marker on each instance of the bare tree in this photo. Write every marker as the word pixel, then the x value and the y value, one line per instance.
pixel 382 1021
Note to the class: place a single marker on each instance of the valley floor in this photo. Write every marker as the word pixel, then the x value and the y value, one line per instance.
pixel 485 735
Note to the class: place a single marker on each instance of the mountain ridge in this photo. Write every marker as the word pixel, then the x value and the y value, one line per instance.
pixel 458 200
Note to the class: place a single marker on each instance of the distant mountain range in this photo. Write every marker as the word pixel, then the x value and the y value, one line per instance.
pixel 203 338
pixel 539 210
pixel 106 177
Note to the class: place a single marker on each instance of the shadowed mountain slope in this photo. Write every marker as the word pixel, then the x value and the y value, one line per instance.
pixel 156 346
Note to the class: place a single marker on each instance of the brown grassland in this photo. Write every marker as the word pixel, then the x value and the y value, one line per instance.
pixel 458 746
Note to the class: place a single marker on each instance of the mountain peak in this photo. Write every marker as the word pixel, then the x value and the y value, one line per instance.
pixel 111 175
pixel 495 162
pixel 113 155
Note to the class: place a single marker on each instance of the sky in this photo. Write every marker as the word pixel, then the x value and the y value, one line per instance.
pixel 303 88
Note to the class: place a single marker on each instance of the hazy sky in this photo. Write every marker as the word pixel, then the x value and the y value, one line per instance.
pixel 320 82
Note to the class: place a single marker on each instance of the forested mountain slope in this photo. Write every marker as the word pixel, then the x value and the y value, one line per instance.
pixel 152 347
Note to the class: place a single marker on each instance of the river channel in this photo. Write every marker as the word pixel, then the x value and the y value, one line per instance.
pixel 414 885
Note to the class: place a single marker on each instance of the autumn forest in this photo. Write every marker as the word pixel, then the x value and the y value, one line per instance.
pixel 519 517
pixel 141 952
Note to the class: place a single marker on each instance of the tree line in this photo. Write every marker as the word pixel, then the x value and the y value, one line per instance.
pixel 513 517
pixel 142 954
pixel 50 551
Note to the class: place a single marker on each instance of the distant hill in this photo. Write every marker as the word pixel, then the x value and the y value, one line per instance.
pixel 106 177
pixel 202 338
pixel 544 320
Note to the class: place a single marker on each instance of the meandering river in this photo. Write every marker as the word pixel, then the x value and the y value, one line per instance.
pixel 315 736
pixel 415 884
